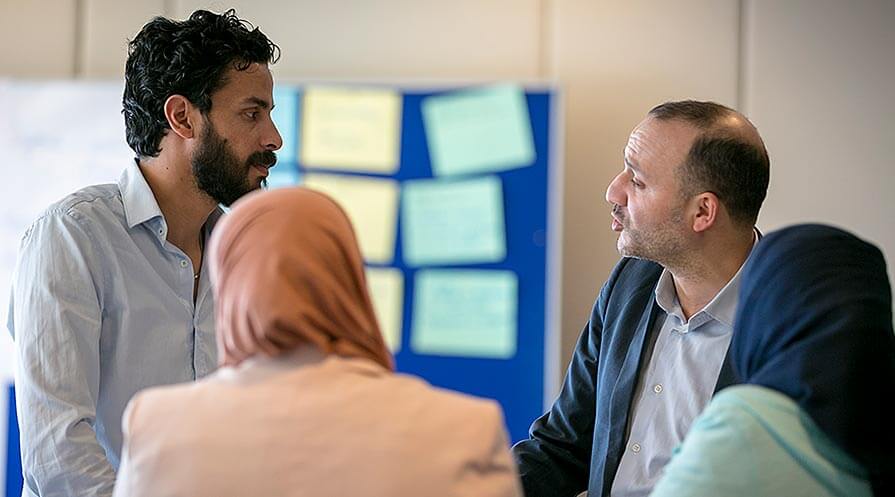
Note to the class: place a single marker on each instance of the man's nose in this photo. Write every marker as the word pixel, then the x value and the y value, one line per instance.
pixel 614 192
pixel 272 139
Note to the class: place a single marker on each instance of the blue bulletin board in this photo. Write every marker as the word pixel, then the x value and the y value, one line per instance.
pixel 519 379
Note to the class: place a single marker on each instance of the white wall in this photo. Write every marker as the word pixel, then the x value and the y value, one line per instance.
pixel 820 85
pixel 813 75
pixel 37 39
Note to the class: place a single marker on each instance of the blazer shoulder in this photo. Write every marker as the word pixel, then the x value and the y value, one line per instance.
pixel 631 275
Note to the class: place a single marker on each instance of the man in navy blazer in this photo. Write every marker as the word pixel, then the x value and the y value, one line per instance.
pixel 654 349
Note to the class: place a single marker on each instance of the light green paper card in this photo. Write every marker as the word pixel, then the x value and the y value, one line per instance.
pixel 480 130
pixel 470 313
pixel 452 222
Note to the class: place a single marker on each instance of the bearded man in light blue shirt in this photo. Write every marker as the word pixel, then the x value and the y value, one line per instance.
pixel 109 295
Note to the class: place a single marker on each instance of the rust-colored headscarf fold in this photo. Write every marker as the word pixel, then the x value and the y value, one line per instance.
pixel 287 271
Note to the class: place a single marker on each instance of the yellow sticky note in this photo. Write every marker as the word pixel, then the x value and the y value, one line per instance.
pixel 387 292
pixel 371 204
pixel 351 129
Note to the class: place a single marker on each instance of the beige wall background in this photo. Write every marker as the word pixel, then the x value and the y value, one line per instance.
pixel 815 76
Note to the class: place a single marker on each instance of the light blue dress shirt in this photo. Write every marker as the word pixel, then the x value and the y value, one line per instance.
pixel 101 307
pixel 676 382
pixel 756 442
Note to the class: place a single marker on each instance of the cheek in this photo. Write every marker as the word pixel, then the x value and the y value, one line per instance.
pixel 642 211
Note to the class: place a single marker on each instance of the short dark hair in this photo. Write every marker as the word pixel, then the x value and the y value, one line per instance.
pixel 186 58
pixel 720 160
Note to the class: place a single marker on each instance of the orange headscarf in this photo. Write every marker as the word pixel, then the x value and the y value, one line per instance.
pixel 287 271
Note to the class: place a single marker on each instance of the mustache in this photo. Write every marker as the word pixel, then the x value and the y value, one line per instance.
pixel 617 212
pixel 265 158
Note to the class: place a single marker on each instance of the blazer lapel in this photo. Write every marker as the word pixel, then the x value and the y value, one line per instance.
pixel 726 377
pixel 623 392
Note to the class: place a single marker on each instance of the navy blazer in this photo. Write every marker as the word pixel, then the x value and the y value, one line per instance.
pixel 578 444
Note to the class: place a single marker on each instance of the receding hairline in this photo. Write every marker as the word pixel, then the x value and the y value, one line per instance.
pixel 727 123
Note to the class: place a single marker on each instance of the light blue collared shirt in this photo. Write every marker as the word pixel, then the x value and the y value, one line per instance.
pixel 101 307
pixel 676 382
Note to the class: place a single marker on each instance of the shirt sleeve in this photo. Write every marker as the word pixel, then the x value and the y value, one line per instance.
pixel 55 320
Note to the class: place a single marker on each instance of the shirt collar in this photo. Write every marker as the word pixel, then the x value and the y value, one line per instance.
pixel 140 205
pixel 721 308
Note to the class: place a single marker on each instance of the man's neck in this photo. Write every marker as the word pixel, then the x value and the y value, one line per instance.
pixel 711 269
pixel 186 209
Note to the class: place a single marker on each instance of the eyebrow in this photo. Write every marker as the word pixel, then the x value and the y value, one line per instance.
pixel 632 166
pixel 258 102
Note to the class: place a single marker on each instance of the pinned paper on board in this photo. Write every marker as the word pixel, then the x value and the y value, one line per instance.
pixel 386 287
pixel 287 107
pixel 479 130
pixel 372 206
pixel 453 222
pixel 469 313
pixel 351 129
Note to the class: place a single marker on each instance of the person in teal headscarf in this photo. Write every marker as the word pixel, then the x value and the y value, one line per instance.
pixel 814 348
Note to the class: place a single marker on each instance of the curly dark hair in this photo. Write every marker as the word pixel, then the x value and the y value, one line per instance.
pixel 186 58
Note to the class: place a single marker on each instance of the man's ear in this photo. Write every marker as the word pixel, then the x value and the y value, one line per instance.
pixel 708 208
pixel 179 112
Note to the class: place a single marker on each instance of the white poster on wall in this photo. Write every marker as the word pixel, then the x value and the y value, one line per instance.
pixel 55 137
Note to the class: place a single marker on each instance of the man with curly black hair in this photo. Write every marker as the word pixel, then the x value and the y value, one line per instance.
pixel 109 295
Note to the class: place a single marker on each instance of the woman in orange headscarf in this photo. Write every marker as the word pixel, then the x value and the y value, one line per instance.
pixel 306 402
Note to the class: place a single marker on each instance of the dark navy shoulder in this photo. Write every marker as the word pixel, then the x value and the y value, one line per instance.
pixel 635 273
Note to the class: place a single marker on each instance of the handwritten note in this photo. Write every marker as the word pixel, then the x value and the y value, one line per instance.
pixel 386 287
pixel 453 222
pixel 465 313
pixel 351 129
pixel 372 206
pixel 480 130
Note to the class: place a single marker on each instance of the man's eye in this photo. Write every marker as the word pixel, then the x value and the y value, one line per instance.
pixel 636 183
pixel 252 114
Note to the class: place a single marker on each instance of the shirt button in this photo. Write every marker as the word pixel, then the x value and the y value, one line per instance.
pixel 657 388
pixel 183 263
pixel 635 448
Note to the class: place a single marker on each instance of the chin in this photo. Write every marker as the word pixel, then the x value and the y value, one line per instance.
pixel 621 244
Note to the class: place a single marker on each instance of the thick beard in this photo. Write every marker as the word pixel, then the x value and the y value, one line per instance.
pixel 219 173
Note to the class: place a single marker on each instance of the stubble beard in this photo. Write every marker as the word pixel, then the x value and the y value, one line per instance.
pixel 663 244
